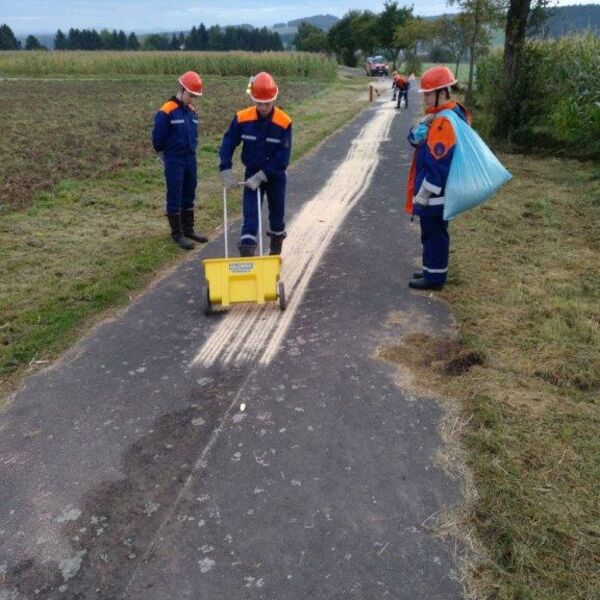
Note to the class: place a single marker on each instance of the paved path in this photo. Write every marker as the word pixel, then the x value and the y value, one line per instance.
pixel 129 471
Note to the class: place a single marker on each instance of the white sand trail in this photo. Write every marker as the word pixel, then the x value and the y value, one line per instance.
pixel 250 331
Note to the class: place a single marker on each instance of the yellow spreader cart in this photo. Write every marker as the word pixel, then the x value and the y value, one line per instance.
pixel 242 279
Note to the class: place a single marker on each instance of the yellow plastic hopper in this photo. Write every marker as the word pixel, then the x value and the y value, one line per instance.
pixel 242 279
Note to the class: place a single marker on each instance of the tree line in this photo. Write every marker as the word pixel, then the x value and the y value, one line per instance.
pixel 199 38
pixel 90 39
pixel 401 36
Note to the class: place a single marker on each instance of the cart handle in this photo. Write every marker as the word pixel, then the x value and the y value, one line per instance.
pixel 258 207
pixel 225 228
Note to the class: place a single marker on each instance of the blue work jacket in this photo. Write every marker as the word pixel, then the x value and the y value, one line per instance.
pixel 267 142
pixel 432 160
pixel 175 128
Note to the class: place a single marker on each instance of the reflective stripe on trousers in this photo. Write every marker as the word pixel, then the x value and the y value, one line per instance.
pixel 436 248
pixel 274 190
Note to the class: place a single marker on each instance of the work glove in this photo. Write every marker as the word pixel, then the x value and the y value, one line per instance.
pixel 229 180
pixel 422 197
pixel 256 179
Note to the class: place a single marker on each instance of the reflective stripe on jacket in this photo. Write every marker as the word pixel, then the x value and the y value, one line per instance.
pixel 431 160
pixel 267 142
pixel 175 128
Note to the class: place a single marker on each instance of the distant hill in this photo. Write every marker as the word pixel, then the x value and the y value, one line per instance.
pixel 288 30
pixel 325 22
pixel 578 18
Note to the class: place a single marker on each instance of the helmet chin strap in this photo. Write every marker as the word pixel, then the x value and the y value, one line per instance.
pixel 437 96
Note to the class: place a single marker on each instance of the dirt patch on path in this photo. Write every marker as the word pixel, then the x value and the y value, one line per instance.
pixel 111 530
pixel 439 354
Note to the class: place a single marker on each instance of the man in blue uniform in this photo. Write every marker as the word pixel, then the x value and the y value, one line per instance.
pixel 266 133
pixel 175 138
pixel 402 85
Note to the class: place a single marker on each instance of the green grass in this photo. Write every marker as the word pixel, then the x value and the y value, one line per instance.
pixel 93 240
pixel 525 289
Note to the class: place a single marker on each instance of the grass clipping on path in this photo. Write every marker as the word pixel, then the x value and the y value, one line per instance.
pixel 525 374
pixel 89 244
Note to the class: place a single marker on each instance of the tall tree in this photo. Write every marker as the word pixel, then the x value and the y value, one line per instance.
pixel 32 43
pixel 409 36
pixel 452 34
pixel 517 21
pixel 89 40
pixel 516 26
pixel 156 41
pixel 214 38
pixel 341 39
pixel 122 40
pixel 114 39
pixel 480 16
pixel 73 39
pixel 365 27
pixel 106 40
pixel 310 38
pixel 60 41
pixel 392 17
pixel 191 40
pixel 8 41
pixel 132 42
pixel 202 37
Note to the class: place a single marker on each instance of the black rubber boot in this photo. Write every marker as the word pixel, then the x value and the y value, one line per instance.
pixel 417 275
pixel 276 244
pixel 422 284
pixel 187 223
pixel 177 232
pixel 247 249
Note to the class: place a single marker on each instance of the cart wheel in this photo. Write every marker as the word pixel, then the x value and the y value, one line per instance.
pixel 281 294
pixel 205 298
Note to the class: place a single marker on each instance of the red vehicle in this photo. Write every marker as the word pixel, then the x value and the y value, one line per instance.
pixel 377 65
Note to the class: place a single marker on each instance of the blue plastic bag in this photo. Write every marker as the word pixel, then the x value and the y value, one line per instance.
pixel 475 174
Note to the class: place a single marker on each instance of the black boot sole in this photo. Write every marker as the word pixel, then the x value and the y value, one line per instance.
pixel 197 238
pixel 421 284
pixel 184 243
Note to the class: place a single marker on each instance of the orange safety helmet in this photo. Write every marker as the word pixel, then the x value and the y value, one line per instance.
pixel 262 87
pixel 437 78
pixel 192 83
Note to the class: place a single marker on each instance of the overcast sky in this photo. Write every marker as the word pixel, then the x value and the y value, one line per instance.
pixel 46 16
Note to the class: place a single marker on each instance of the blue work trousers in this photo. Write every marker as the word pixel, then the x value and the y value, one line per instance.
pixel 436 249
pixel 402 94
pixel 274 190
pixel 181 174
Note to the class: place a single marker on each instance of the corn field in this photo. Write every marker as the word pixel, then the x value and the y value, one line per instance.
pixel 44 64
pixel 559 95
